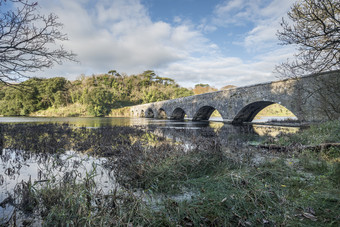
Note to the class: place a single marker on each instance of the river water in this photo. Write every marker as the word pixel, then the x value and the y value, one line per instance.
pixel 18 166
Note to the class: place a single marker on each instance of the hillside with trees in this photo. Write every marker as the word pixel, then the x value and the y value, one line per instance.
pixel 97 94
pixel 203 88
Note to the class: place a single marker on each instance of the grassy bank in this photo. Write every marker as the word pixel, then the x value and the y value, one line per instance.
pixel 161 183
pixel 77 110
pixel 120 112
pixel 328 132
pixel 205 189
pixel 71 110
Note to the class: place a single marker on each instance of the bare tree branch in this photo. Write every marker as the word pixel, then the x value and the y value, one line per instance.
pixel 315 29
pixel 28 41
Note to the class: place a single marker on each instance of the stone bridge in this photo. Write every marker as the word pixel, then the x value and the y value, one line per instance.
pixel 311 98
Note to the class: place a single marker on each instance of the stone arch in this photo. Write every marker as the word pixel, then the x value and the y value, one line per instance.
pixel 149 113
pixel 161 114
pixel 203 113
pixel 142 114
pixel 178 114
pixel 247 113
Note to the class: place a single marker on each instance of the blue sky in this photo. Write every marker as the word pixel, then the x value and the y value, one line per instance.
pixel 219 42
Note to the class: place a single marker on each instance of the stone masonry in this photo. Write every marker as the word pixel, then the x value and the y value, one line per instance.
pixel 309 98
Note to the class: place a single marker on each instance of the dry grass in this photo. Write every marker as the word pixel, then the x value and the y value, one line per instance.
pixel 72 110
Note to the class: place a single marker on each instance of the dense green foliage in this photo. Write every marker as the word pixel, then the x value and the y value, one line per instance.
pixel 99 93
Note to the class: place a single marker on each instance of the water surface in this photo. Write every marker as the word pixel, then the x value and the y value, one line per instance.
pixel 20 165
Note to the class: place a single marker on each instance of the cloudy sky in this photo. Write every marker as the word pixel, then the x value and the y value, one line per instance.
pixel 219 42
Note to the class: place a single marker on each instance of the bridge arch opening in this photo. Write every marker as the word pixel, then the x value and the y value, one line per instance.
pixel 178 114
pixel 264 111
pixel 161 114
pixel 205 113
pixel 274 112
pixel 215 116
pixel 149 113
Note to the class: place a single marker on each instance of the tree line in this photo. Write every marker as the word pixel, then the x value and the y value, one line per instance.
pixel 99 93
pixel 29 42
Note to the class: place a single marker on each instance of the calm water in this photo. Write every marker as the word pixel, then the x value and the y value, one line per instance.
pixel 124 121
pixel 105 121
pixel 174 129
pixel 17 166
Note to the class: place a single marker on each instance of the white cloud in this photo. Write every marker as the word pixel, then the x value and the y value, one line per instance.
pixel 276 8
pixel 236 12
pixel 222 71
pixel 219 70
pixel 263 35
pixel 228 6
pixel 120 35
pixel 263 15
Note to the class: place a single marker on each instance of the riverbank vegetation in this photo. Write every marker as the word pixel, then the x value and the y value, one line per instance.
pixel 93 95
pixel 98 95
pixel 161 182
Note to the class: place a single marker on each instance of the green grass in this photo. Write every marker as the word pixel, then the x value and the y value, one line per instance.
pixel 272 193
pixel 207 189
pixel 163 185
pixel 328 132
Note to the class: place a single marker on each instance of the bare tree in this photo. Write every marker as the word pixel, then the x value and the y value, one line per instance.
pixel 315 30
pixel 28 40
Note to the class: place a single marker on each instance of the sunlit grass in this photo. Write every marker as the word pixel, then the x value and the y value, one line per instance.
pixel 275 110
pixel 71 110
pixel 120 112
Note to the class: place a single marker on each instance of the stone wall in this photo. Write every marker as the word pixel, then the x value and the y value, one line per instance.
pixel 311 98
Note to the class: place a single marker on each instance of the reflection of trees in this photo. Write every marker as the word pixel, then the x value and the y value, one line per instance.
pixel 55 138
pixel 44 138
pixel 129 150
pixel 110 141
pixel 227 135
